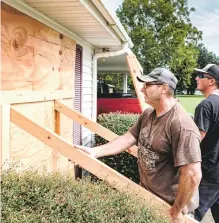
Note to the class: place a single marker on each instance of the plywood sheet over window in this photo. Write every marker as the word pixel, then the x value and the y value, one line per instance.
pixel 29 152
pixel 26 149
pixel 34 56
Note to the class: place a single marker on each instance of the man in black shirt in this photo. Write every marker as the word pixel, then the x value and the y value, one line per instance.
pixel 207 120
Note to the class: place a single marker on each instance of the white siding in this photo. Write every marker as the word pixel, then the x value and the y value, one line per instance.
pixel 87 92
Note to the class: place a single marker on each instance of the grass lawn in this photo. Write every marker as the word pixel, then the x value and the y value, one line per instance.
pixel 190 102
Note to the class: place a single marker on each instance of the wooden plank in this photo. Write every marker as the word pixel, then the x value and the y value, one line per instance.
pixel 17 97
pixel 91 164
pixel 57 131
pixel 91 125
pixel 66 132
pixel 5 136
pixel 135 71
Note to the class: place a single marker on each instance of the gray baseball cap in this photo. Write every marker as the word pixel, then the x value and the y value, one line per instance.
pixel 211 69
pixel 162 75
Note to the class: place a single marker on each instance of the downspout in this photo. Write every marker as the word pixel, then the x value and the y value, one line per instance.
pixel 124 50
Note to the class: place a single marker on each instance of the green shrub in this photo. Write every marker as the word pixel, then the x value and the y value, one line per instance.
pixel 30 197
pixel 119 123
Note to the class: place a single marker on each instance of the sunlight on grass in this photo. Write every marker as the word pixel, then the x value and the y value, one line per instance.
pixel 190 102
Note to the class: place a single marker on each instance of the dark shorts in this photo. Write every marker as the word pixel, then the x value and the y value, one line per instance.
pixel 208 199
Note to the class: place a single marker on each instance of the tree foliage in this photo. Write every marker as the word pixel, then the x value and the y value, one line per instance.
pixel 163 35
pixel 205 56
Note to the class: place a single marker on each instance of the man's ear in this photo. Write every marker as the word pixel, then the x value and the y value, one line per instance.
pixel 212 82
pixel 165 88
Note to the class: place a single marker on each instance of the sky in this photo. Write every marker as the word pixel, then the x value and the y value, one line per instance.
pixel 205 18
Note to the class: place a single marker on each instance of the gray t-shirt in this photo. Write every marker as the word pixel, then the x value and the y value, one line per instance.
pixel 164 144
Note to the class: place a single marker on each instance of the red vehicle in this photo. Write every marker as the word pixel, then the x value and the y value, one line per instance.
pixel 111 100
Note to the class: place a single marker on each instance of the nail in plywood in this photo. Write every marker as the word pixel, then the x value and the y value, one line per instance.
pixel 91 125
pixel 5 135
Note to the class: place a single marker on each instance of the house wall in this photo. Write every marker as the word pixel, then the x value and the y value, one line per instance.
pixel 87 93
pixel 37 59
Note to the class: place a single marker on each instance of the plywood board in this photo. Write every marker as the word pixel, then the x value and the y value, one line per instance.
pixel 47 61
pixel 34 56
pixel 26 149
pixel 19 97
pixel 30 152
pixel 67 69
pixel 16 55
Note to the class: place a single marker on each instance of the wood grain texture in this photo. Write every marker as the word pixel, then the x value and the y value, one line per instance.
pixel 27 150
pixel 17 57
pixel 19 97
pixel 30 152
pixel 67 69
pixel 34 56
pixel 66 131
pixel 135 71
pixel 46 65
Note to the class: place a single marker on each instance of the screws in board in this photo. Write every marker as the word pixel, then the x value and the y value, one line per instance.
pixel 61 36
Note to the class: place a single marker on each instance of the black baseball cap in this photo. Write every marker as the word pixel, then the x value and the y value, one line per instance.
pixel 162 75
pixel 211 69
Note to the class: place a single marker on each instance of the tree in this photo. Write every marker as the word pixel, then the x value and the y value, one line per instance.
pixel 162 34
pixel 206 57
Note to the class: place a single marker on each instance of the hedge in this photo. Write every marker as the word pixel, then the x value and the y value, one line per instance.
pixel 119 123
pixel 31 197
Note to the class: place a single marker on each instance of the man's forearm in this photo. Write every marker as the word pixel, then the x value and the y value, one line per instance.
pixel 115 146
pixel 189 181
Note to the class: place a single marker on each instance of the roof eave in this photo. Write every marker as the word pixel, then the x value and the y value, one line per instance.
pixel 113 21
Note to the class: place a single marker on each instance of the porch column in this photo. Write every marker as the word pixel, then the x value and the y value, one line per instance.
pixel 125 82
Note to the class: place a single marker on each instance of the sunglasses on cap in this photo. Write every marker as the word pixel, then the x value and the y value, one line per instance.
pixel 203 75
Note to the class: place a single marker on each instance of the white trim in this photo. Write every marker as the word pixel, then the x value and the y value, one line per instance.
pixel 30 11
pixel 113 21
pixel 125 83
pixel 100 18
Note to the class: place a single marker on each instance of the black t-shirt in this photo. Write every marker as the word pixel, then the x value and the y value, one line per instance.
pixel 207 120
